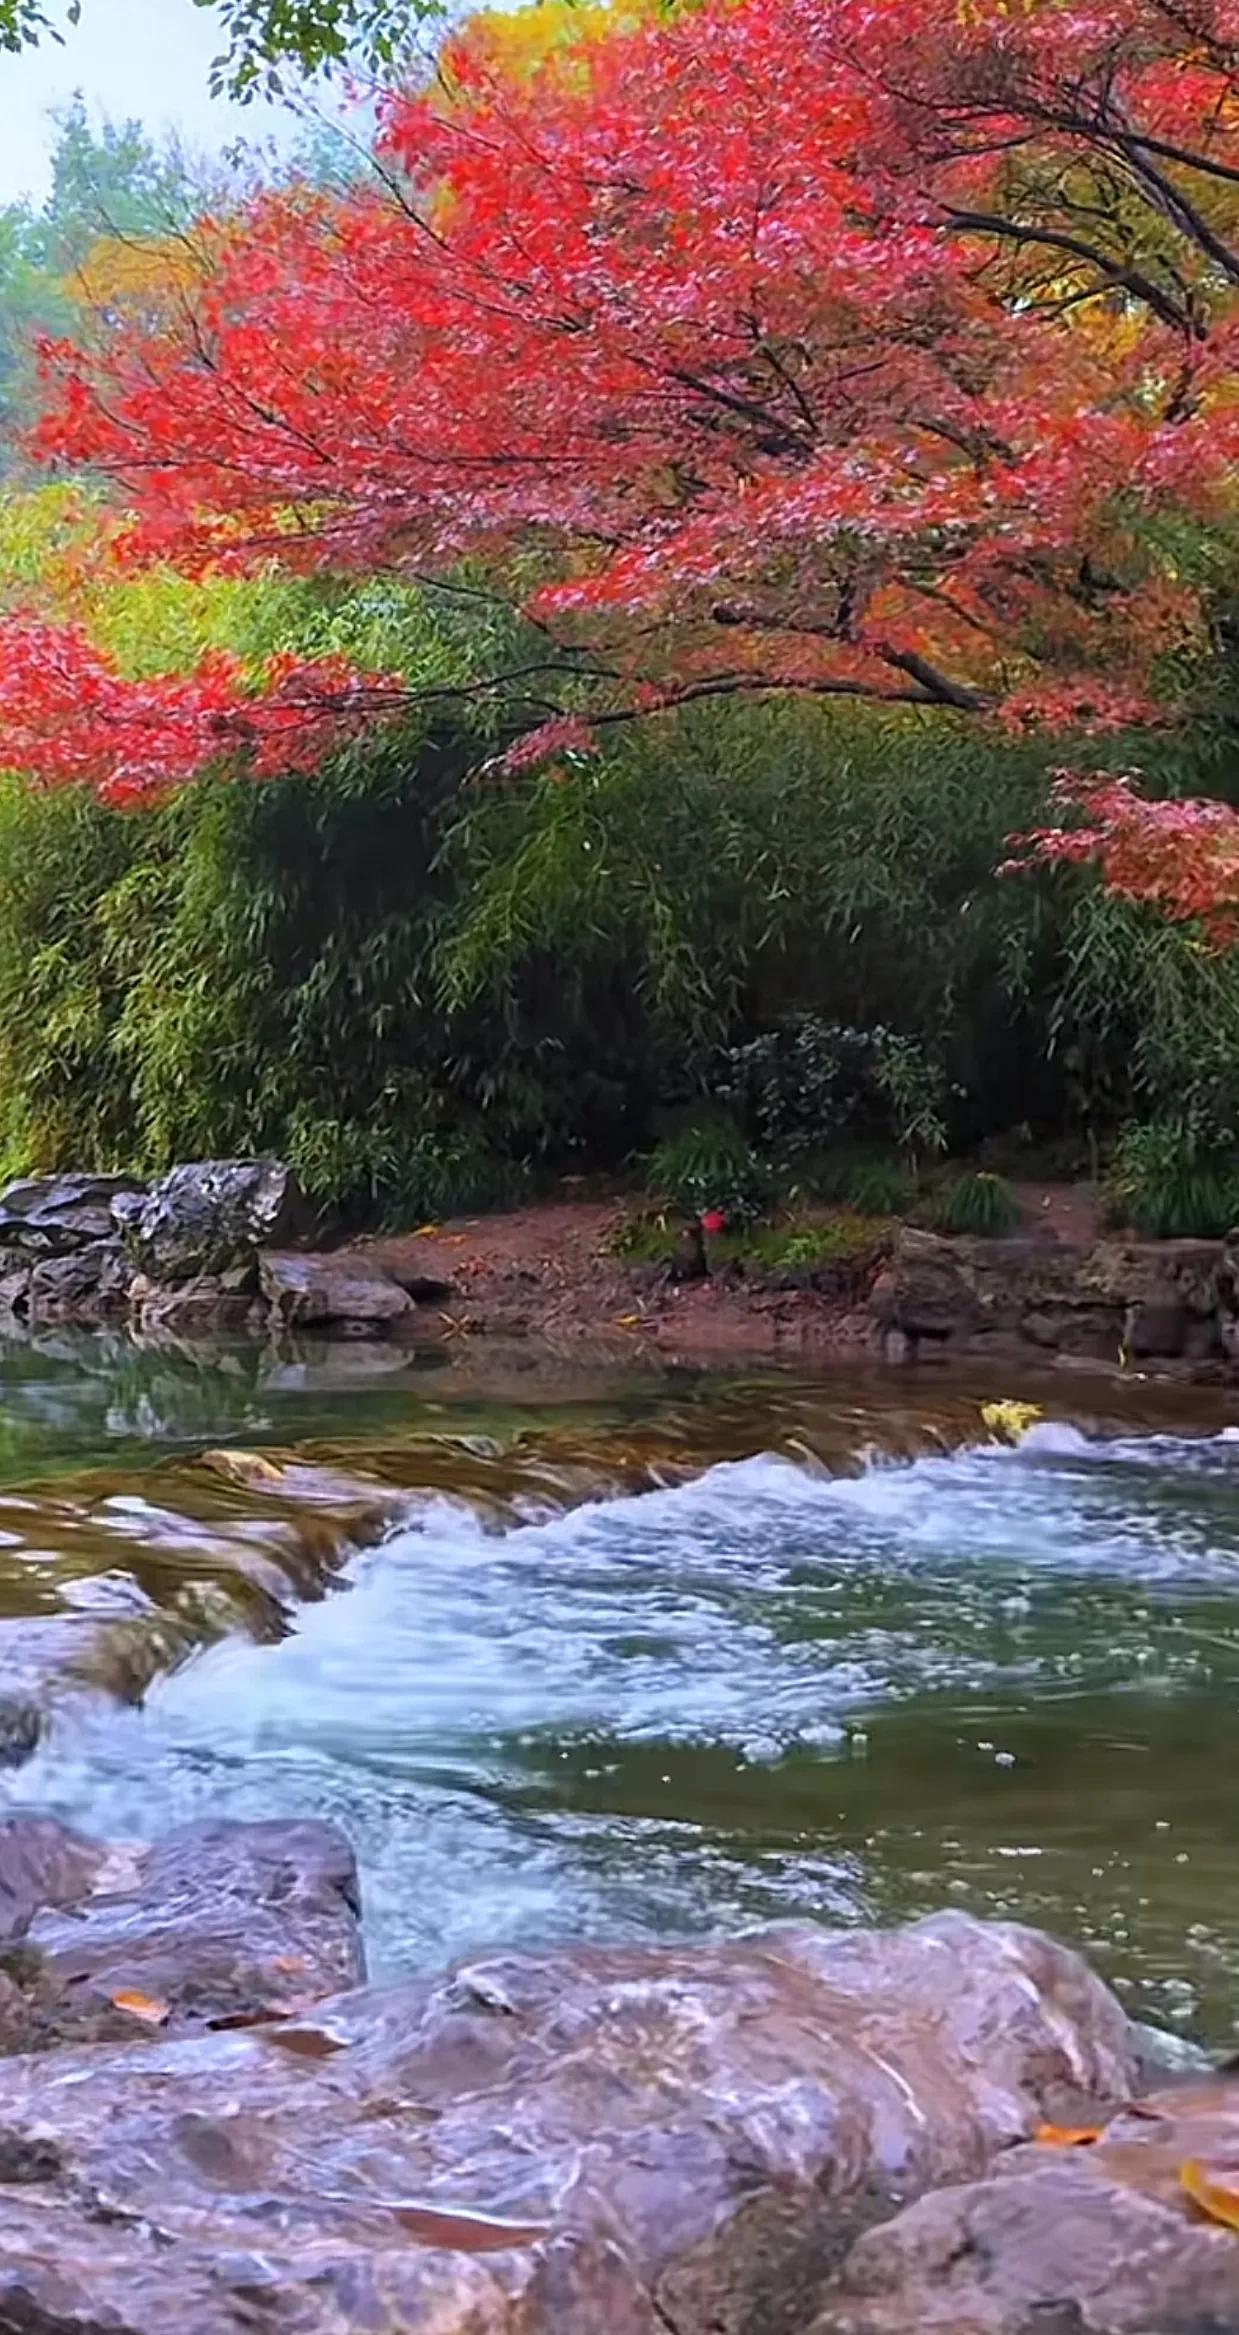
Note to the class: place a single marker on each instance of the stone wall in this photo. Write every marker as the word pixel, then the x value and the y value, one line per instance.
pixel 1116 1301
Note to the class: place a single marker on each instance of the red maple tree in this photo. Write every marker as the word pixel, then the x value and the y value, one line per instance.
pixel 819 345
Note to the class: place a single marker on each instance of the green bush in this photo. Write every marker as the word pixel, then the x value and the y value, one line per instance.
pixel 982 1204
pixel 878 1187
pixel 1164 1182
pixel 708 1164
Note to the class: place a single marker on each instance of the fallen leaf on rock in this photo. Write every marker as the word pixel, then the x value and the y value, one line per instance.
pixel 628 1321
pixel 141 2006
pixel 466 2233
pixel 427 1231
pixel 1216 2192
pixel 1068 2136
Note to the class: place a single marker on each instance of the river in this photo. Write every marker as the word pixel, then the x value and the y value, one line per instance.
pixel 843 1658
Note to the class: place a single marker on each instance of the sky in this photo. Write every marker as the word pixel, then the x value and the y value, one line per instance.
pixel 145 58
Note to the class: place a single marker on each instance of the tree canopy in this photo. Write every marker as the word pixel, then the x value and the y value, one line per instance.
pixel 263 38
pixel 751 349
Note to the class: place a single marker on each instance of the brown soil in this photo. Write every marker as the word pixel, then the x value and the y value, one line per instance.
pixel 549 1268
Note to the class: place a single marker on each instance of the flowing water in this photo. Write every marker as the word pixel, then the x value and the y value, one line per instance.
pixel 667 1656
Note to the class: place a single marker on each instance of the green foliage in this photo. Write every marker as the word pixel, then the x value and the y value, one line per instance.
pixel 707 1164
pixel 877 1187
pixel 792 1245
pixel 267 40
pixel 982 1204
pixel 1166 1183
pixel 775 928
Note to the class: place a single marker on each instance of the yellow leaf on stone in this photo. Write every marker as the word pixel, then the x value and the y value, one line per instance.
pixel 628 1321
pixel 1214 2189
pixel 1067 2136
pixel 1009 1420
pixel 141 2006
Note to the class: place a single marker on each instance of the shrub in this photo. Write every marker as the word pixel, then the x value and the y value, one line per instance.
pixel 708 1164
pixel 983 1204
pixel 1169 1185
pixel 877 1187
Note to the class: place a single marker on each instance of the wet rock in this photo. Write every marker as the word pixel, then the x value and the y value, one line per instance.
pixel 1151 1300
pixel 211 1217
pixel 42 1863
pixel 217 1921
pixel 1097 2241
pixel 593 2142
pixel 51 1215
pixel 311 1290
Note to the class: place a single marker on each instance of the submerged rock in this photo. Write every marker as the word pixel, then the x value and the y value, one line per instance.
pixel 211 1217
pixel 586 2142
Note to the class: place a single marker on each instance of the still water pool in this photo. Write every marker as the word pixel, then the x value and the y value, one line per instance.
pixel 858 1664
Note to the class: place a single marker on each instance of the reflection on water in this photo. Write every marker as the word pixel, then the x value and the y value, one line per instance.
pixel 1007 1679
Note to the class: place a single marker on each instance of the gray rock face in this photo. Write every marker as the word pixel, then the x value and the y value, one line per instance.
pixel 44 1216
pixel 211 1217
pixel 88 1284
pixel 312 1290
pixel 1096 2241
pixel 639 2141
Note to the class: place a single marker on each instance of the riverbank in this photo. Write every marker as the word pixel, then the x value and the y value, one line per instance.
pixel 231 1245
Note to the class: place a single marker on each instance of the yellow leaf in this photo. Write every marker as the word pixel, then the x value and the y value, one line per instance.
pixel 1216 2193
pixel 628 1321
pixel 1067 2136
pixel 426 1231
pixel 141 2006
pixel 1008 1420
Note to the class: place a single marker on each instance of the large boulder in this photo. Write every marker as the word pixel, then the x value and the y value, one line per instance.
pixel 626 2141
pixel 44 1216
pixel 346 1292
pixel 211 1218
pixel 1092 2241
pixel 1141 1299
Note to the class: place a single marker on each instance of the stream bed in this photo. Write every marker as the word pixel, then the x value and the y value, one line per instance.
pixel 838 1657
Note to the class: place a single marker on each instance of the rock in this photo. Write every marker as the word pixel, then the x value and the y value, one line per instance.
pixel 626 2141
pixel 217 1921
pixel 1155 1300
pixel 211 1217
pixel 51 1215
pixel 210 1301
pixel 42 1863
pixel 85 1285
pixel 306 1290
pixel 1098 2241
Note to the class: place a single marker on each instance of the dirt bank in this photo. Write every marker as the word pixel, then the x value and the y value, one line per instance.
pixel 551 1270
